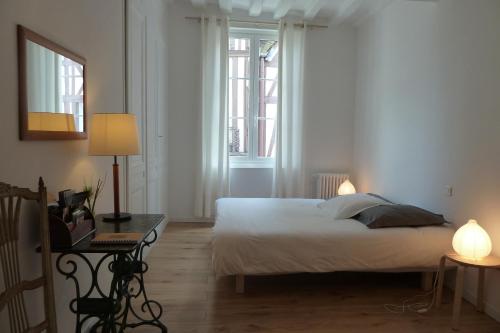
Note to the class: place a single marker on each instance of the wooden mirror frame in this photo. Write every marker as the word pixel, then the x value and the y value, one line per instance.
pixel 23 35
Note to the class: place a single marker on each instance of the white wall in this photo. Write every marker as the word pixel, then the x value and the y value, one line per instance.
pixel 428 112
pixel 184 91
pixel 251 182
pixel 329 104
pixel 329 96
pixel 92 29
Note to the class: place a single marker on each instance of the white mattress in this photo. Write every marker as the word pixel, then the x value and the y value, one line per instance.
pixel 274 236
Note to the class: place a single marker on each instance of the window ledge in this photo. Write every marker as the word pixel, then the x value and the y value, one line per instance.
pixel 251 165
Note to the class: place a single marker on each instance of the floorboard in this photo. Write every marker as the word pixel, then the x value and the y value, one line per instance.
pixel 182 280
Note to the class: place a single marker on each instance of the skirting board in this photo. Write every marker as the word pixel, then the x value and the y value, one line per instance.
pixel 469 294
pixel 489 309
pixel 191 220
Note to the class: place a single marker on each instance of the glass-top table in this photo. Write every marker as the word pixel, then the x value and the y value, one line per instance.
pixel 140 223
pixel 125 303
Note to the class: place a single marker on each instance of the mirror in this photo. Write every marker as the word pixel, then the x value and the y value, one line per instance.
pixel 52 99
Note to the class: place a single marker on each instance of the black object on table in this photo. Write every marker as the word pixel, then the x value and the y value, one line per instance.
pixel 116 309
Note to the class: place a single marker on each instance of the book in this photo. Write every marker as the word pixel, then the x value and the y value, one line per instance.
pixel 117 238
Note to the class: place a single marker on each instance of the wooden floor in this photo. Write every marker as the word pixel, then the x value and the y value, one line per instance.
pixel 181 279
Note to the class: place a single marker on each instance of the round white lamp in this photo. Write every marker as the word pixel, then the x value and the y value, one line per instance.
pixel 472 241
pixel 346 188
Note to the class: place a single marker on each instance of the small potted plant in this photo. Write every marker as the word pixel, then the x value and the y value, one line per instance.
pixel 93 194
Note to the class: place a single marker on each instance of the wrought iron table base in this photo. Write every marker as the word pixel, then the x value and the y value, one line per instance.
pixel 113 310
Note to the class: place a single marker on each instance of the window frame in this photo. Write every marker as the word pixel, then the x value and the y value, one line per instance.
pixel 252 160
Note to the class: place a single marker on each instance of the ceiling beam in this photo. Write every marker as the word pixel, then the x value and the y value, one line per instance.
pixel 282 9
pixel 313 8
pixel 199 3
pixel 226 5
pixel 377 8
pixel 255 8
pixel 347 9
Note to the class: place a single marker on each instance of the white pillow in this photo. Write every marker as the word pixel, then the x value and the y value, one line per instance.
pixel 346 206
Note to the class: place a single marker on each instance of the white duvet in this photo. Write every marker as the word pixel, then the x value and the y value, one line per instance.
pixel 273 236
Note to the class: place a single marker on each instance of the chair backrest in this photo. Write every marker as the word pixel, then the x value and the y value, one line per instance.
pixel 12 298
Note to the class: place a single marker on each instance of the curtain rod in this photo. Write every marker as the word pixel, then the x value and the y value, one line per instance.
pixel 300 25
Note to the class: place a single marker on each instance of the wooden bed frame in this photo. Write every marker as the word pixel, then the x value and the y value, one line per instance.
pixel 426 282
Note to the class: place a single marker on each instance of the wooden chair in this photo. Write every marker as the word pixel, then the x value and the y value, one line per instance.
pixel 10 210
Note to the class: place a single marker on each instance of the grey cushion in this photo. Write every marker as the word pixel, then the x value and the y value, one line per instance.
pixel 380 197
pixel 388 216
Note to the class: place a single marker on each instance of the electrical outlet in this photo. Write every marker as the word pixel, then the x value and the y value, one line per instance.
pixel 449 191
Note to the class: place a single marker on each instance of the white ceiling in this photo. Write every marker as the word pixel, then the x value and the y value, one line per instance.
pixel 338 10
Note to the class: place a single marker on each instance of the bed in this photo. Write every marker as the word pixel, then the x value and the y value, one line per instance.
pixel 280 236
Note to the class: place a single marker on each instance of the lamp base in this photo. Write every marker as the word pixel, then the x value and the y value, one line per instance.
pixel 111 217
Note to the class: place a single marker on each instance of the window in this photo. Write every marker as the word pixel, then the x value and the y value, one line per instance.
pixel 253 97
pixel 71 82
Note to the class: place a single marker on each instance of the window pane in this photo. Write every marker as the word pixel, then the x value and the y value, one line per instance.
pixel 270 111
pixel 253 93
pixel 271 87
pixel 266 137
pixel 239 57
pixel 268 98
pixel 268 59
pixel 239 67
pixel 239 44
pixel 71 82
pixel 239 97
pixel 238 137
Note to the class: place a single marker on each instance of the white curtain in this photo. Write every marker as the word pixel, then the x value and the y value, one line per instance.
pixel 289 170
pixel 212 179
pixel 43 79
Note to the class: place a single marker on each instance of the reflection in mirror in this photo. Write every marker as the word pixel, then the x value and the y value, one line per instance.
pixel 54 90
pixel 47 121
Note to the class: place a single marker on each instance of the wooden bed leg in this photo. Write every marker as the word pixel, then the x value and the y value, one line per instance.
pixel 240 283
pixel 427 281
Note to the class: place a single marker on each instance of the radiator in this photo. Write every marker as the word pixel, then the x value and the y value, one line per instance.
pixel 328 183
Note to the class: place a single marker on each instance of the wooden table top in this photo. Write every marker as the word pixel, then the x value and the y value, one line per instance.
pixel 489 261
pixel 143 223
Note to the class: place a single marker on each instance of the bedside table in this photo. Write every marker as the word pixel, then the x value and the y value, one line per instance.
pixel 481 264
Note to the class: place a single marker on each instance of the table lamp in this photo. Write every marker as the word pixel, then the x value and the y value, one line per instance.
pixel 346 188
pixel 114 134
pixel 471 241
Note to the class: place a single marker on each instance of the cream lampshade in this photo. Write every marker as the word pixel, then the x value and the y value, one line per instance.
pixel 472 241
pixel 114 134
pixel 49 121
pixel 346 188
